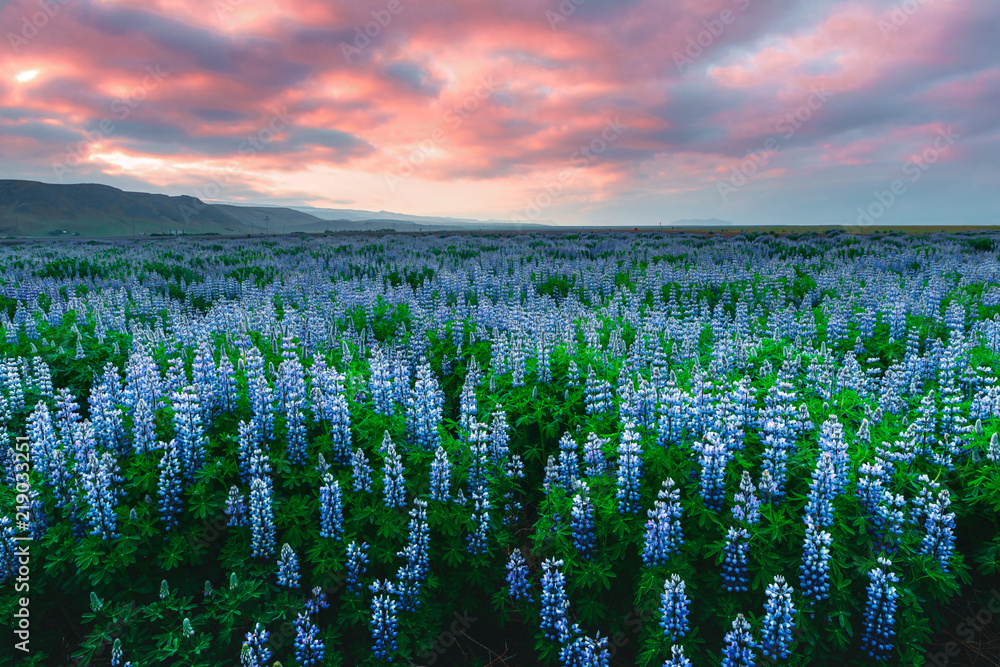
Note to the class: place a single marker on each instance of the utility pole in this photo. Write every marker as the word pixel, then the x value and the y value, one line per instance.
pixel 267 224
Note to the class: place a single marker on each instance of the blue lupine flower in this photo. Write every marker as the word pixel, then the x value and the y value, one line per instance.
pixel 734 565
pixel 105 416
pixel 337 410
pixel 513 471
pixel 248 437
pixel 8 554
pixel 815 570
pixel 440 476
pixel 664 535
pixel 478 487
pixel 101 484
pixel 831 441
pixel 555 604
pixel 582 521
pixel 288 567
pixel 822 490
pixel 585 651
pixel 671 422
pixel 699 402
pixel 738 651
pixel 769 491
pixel 939 526
pixel 44 444
pixel 779 620
pixel 384 624
pixel 191 438
pixel 262 530
pixel 143 428
pixel 309 648
pixel 713 472
pixel 467 407
pixel 423 410
pixel 481 517
pixel 295 451
pixel 357 565
pixel 593 455
pixel 317 602
pixel 413 573
pixel 170 486
pixel 889 520
pixel 380 384
pixel 746 507
pixel 871 483
pixel 517 576
pixel 66 414
pixel 256 652
pixel 880 610
pixel 674 608
pixel 38 522
pixel 361 472
pixel 498 436
pixel 225 382
pixel 569 461
pixel 61 478
pixel 393 482
pixel 677 658
pixel 331 509
pixel 597 394
pixel 630 470
pixel 236 507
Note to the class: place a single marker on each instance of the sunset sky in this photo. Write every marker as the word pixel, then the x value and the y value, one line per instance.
pixel 571 111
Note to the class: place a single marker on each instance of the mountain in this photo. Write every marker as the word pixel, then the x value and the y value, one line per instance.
pixel 29 208
pixel 356 215
pixel 274 219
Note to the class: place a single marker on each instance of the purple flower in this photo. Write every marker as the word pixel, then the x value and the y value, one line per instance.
pixel 779 620
pixel 630 470
pixel 517 576
pixel 877 628
pixel 738 651
pixel 674 608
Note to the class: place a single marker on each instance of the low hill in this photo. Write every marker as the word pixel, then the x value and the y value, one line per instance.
pixel 29 208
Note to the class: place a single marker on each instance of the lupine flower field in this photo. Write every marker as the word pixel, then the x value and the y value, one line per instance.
pixel 472 449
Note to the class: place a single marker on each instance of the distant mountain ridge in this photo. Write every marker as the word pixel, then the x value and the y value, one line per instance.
pixel 31 208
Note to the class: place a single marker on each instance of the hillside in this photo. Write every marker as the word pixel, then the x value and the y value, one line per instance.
pixel 29 208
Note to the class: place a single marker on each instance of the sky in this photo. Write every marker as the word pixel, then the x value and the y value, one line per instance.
pixel 605 112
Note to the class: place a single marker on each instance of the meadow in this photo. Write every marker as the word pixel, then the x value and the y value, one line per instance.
pixel 479 449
